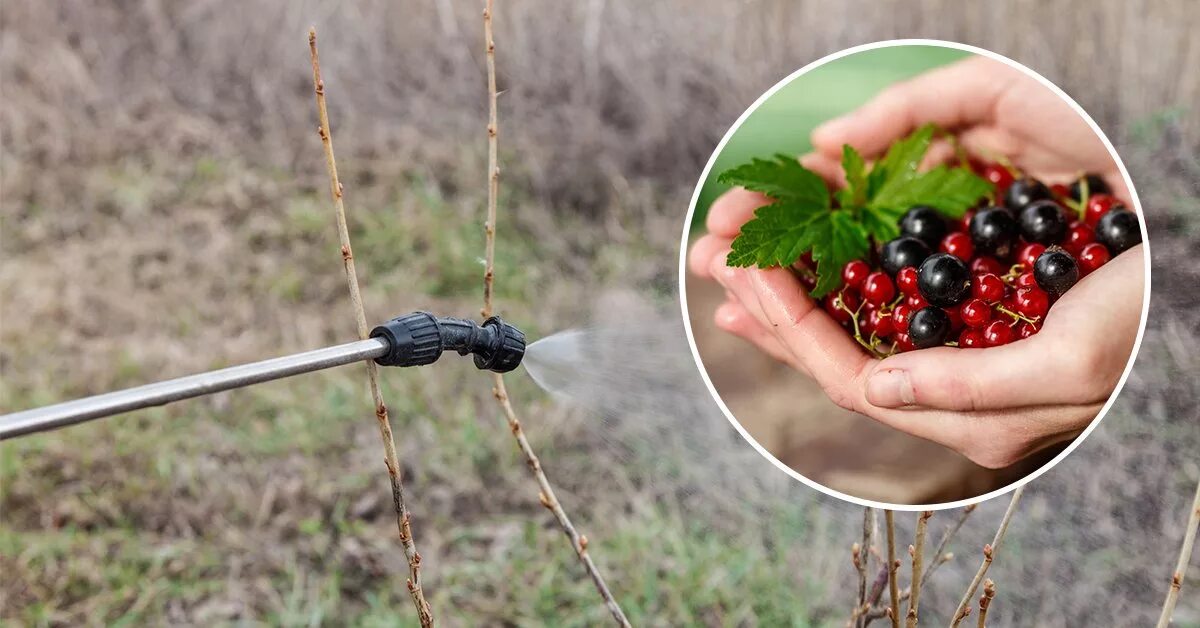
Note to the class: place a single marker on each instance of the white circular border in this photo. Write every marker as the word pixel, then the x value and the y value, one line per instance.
pixel 683 250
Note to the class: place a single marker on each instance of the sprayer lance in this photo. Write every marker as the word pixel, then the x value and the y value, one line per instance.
pixel 414 339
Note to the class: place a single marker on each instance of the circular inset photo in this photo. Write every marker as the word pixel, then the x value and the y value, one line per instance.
pixel 915 274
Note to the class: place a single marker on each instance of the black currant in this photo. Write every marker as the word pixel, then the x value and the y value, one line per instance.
pixel 1024 191
pixel 902 251
pixel 1118 230
pixel 1055 271
pixel 929 327
pixel 1095 185
pixel 1044 222
pixel 993 231
pixel 925 224
pixel 944 280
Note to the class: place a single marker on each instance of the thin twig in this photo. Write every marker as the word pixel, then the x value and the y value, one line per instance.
pixel 403 520
pixel 546 494
pixel 985 602
pixel 989 552
pixel 1185 556
pixel 861 555
pixel 893 568
pixel 918 556
pixel 493 132
pixel 939 556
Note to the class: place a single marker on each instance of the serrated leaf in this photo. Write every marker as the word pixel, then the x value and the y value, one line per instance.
pixel 900 163
pixel 783 179
pixel 948 190
pixel 778 234
pixel 842 240
pixel 855 168
pixel 882 224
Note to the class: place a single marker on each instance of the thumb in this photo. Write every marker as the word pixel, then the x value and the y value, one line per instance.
pixel 1030 372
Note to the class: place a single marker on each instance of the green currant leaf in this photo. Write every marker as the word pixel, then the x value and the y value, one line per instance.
pixel 841 240
pixel 948 190
pixel 783 179
pixel 882 224
pixel 900 163
pixel 856 178
pixel 778 234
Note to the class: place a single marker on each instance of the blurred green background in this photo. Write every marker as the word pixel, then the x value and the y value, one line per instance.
pixel 782 124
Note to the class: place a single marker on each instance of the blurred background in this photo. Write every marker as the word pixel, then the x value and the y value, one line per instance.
pixel 164 210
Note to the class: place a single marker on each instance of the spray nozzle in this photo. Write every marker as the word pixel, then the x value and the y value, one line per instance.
pixel 420 338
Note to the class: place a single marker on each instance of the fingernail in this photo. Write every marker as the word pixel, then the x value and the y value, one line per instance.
pixel 890 389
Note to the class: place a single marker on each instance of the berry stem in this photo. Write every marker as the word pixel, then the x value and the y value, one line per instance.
pixel 1016 316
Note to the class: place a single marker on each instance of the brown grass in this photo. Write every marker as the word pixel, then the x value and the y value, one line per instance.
pixel 157 217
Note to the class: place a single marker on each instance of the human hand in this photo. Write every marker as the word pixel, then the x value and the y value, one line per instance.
pixel 995 406
pixel 993 109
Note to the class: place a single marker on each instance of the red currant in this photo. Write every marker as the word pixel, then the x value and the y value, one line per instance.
pixel 903 342
pixel 808 280
pixel 998 176
pixel 988 287
pixel 959 245
pixel 1029 254
pixel 1032 302
pixel 878 288
pixel 1078 236
pixel 971 339
pixel 906 280
pixel 976 313
pixel 1059 190
pixel 917 301
pixel 997 333
pixel 1097 206
pixel 881 323
pixel 1026 280
pixel 986 264
pixel 1027 329
pixel 956 319
pixel 837 303
pixel 1092 256
pixel 900 316
pixel 855 272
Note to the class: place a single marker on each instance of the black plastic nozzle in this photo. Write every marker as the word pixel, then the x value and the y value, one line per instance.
pixel 420 338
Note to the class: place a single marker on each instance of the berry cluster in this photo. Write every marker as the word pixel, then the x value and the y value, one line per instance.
pixel 988 279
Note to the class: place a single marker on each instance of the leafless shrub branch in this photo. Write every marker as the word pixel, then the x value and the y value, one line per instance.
pixel 546 493
pixel 918 556
pixel 1185 556
pixel 989 552
pixel 893 566
pixel 403 521
pixel 985 602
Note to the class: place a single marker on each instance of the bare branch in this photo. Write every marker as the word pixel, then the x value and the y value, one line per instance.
pixel 985 602
pixel 403 520
pixel 499 391
pixel 861 555
pixel 939 556
pixel 1185 556
pixel 918 555
pixel 989 552
pixel 893 566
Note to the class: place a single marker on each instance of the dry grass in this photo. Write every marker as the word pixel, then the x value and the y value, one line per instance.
pixel 156 225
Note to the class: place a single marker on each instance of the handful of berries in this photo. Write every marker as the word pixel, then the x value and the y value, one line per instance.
pixel 988 279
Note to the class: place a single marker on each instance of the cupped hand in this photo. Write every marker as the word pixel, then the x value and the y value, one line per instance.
pixel 992 109
pixel 995 406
